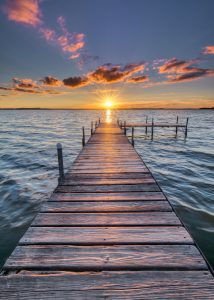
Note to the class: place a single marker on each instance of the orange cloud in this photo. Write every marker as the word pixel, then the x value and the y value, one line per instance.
pixel 176 66
pixel 25 83
pixel 114 73
pixel 23 11
pixel 208 50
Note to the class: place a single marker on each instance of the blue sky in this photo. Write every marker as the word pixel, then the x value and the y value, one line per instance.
pixel 106 49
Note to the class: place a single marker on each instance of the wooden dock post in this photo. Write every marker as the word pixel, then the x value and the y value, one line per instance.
pixel 125 127
pixel 152 133
pixel 146 125
pixel 92 128
pixel 176 128
pixel 133 136
pixel 186 127
pixel 83 136
pixel 60 162
pixel 99 120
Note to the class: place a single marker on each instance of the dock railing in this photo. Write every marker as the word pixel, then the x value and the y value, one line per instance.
pixel 125 126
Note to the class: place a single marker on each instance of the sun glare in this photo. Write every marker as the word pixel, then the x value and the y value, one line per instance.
pixel 108 104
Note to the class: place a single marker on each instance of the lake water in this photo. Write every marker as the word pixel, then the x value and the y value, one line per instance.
pixel 28 165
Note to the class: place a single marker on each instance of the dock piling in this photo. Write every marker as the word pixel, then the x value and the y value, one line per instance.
pixel 83 136
pixel 176 128
pixel 186 128
pixel 152 133
pixel 60 162
pixel 125 127
pixel 133 136
pixel 146 125
pixel 92 128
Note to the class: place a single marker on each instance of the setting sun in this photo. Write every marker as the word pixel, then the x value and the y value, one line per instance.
pixel 108 104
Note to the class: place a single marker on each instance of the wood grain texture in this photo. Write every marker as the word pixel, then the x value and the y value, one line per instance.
pixel 122 196
pixel 120 257
pixel 104 206
pixel 105 188
pixel 140 285
pixel 106 235
pixel 107 181
pixel 106 219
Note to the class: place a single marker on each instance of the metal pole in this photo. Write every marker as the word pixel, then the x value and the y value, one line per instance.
pixel 83 136
pixel 146 124
pixel 176 128
pixel 125 127
pixel 152 129
pixel 186 127
pixel 92 127
pixel 133 136
pixel 60 162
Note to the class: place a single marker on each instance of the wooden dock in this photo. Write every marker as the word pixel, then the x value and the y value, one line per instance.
pixel 107 232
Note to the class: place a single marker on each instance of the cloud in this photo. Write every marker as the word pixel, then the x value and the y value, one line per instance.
pixel 197 73
pixel 70 43
pixel 25 83
pixel 76 81
pixel 28 12
pixel 109 73
pixel 51 81
pixel 183 71
pixel 175 66
pixel 208 50
pixel 137 79
pixel 23 11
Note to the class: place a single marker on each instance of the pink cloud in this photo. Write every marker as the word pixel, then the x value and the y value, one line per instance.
pixel 23 11
pixel 70 43
pixel 28 12
pixel 208 50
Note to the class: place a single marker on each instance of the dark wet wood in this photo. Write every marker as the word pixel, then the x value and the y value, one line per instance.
pixel 108 216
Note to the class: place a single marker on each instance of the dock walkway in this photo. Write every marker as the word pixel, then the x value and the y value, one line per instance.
pixel 107 232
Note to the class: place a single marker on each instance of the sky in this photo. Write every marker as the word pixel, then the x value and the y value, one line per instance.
pixel 72 54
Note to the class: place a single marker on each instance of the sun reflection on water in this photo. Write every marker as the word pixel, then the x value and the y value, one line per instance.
pixel 108 116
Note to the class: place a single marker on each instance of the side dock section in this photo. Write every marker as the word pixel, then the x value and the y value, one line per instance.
pixel 107 232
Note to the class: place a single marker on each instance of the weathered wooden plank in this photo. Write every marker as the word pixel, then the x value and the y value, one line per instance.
pixel 109 181
pixel 122 196
pixel 106 235
pixel 106 219
pixel 106 176
pixel 117 285
pixel 111 206
pixel 147 187
pixel 119 257
pixel 108 170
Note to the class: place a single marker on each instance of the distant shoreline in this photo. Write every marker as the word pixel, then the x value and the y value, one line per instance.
pixel 201 108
